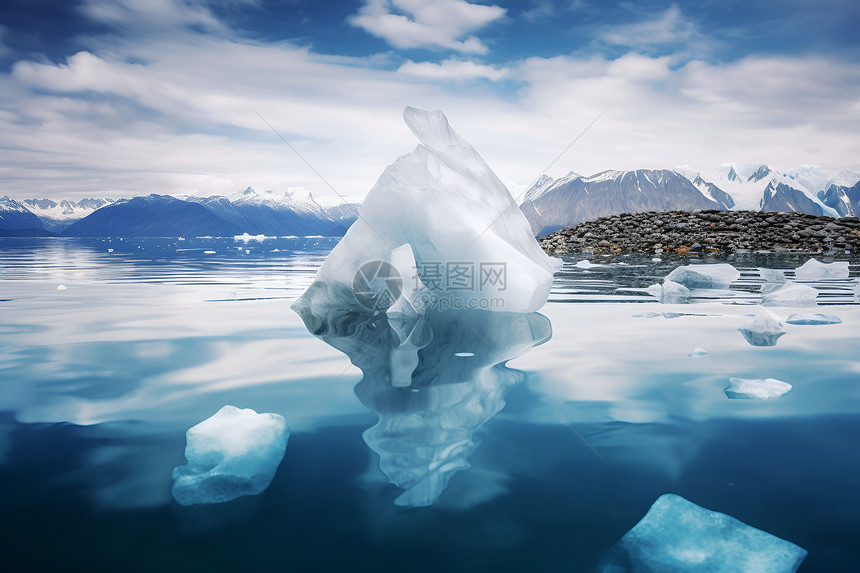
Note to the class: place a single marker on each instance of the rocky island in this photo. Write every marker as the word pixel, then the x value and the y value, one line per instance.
pixel 709 231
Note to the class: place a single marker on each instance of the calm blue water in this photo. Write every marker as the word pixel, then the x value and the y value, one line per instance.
pixel 561 451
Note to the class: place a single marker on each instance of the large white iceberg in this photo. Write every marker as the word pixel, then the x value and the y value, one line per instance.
pixel 469 244
pixel 236 452
pixel 714 276
pixel 792 294
pixel 679 536
pixel 813 270
pixel 753 389
pixel 763 330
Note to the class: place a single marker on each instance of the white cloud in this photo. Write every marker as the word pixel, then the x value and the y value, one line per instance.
pixel 151 15
pixel 441 24
pixel 452 69
pixel 670 27
pixel 177 115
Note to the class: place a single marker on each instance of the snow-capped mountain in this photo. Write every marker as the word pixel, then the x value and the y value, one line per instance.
pixel 151 216
pixel 756 187
pixel 553 204
pixel 15 216
pixel 818 180
pixel 294 212
pixel 57 216
pixel 842 199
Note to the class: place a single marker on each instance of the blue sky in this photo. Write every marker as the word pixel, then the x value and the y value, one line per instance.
pixel 123 97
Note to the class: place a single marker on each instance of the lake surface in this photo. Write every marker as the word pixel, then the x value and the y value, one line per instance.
pixel 565 442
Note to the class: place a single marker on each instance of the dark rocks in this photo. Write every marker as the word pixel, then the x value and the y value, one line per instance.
pixel 709 231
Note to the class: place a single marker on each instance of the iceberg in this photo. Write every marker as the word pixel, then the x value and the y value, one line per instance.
pixel 791 294
pixel 810 318
pixel 752 389
pixel 763 330
pixel 679 536
pixel 669 292
pixel 714 276
pixel 469 245
pixel 432 380
pixel 234 453
pixel 814 270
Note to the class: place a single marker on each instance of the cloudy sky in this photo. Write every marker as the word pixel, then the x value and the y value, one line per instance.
pixel 123 97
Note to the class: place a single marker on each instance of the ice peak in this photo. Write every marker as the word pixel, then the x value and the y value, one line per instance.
pixel 430 127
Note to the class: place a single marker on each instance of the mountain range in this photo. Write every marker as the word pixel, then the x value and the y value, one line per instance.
pixel 548 205
pixel 248 211
pixel 551 204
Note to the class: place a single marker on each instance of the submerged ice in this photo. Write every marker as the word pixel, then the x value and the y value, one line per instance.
pixel 813 318
pixel 679 536
pixel 755 389
pixel 468 243
pixel 236 452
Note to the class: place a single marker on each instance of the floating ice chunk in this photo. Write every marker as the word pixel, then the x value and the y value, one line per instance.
pixel 792 294
pixel 813 269
pixel 649 314
pixel 110 250
pixel 670 292
pixel 246 238
pixel 586 264
pixel 772 275
pixel 236 452
pixel 679 536
pixel 469 239
pixel 763 330
pixel 697 352
pixel 61 287
pixel 810 318
pixel 705 276
pixel 656 260
pixel 756 389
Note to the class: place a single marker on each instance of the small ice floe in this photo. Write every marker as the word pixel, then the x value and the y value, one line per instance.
pixel 464 354
pixel 792 294
pixel 813 270
pixel 656 260
pixel 697 352
pixel 756 389
pixel 669 292
pixel 208 252
pixel 181 238
pixel 586 264
pixel 247 251
pixel 110 250
pixel 679 536
pixel 61 287
pixel 705 276
pixel 236 452
pixel 813 318
pixel 763 330
pixel 246 238
pixel 648 314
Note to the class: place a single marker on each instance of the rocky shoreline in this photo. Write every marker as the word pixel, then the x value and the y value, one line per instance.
pixel 709 231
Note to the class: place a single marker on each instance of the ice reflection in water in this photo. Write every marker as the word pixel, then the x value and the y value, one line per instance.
pixel 432 381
